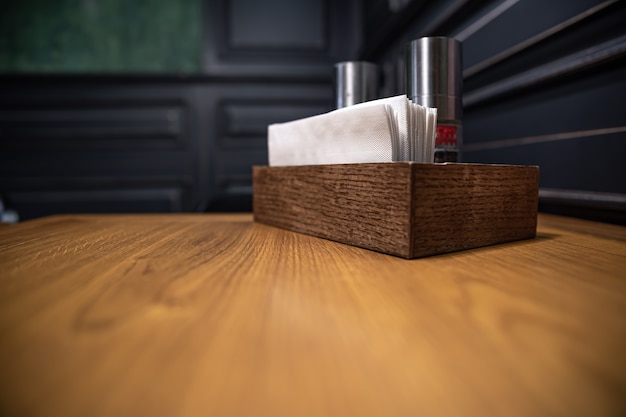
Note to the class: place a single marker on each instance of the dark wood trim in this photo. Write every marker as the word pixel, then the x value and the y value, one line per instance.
pixel 529 140
pixel 535 40
pixel 583 60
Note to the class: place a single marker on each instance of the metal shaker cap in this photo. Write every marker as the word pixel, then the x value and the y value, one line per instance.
pixel 435 75
pixel 355 82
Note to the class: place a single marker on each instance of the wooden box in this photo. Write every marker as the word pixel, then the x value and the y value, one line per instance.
pixel 405 209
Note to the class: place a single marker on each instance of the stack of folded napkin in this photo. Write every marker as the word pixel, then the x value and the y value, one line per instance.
pixel 386 130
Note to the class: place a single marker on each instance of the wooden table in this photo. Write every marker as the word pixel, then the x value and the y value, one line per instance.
pixel 214 315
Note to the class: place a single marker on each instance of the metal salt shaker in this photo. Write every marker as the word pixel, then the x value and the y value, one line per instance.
pixel 355 82
pixel 435 79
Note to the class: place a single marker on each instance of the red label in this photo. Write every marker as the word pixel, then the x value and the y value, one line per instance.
pixel 446 136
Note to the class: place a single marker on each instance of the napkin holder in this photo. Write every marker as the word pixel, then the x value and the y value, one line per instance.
pixel 405 209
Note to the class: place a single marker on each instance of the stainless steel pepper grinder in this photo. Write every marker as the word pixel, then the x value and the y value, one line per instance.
pixel 435 79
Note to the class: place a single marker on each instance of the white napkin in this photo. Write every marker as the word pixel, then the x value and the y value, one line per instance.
pixel 385 130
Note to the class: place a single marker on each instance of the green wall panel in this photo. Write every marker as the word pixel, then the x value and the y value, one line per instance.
pixel 100 36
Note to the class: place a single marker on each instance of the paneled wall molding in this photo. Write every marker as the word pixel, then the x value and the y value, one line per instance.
pixel 85 146
pixel 276 38
pixel 103 124
pixel 552 71
pixel 242 123
pixel 173 142
pixel 252 27
pixel 239 116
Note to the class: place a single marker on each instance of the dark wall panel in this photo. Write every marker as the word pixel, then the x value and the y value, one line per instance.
pixel 167 142
pixel 278 38
pixel 563 106
pixel 239 115
pixel 543 84
pixel 72 145
pixel 265 25
pixel 99 124
pixel 566 164
pixel 518 23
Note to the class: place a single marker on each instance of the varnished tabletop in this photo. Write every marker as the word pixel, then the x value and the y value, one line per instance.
pixel 214 315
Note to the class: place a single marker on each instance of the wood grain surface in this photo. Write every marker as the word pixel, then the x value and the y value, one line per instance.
pixel 365 205
pixel 186 315
pixel 404 209
pixel 464 206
